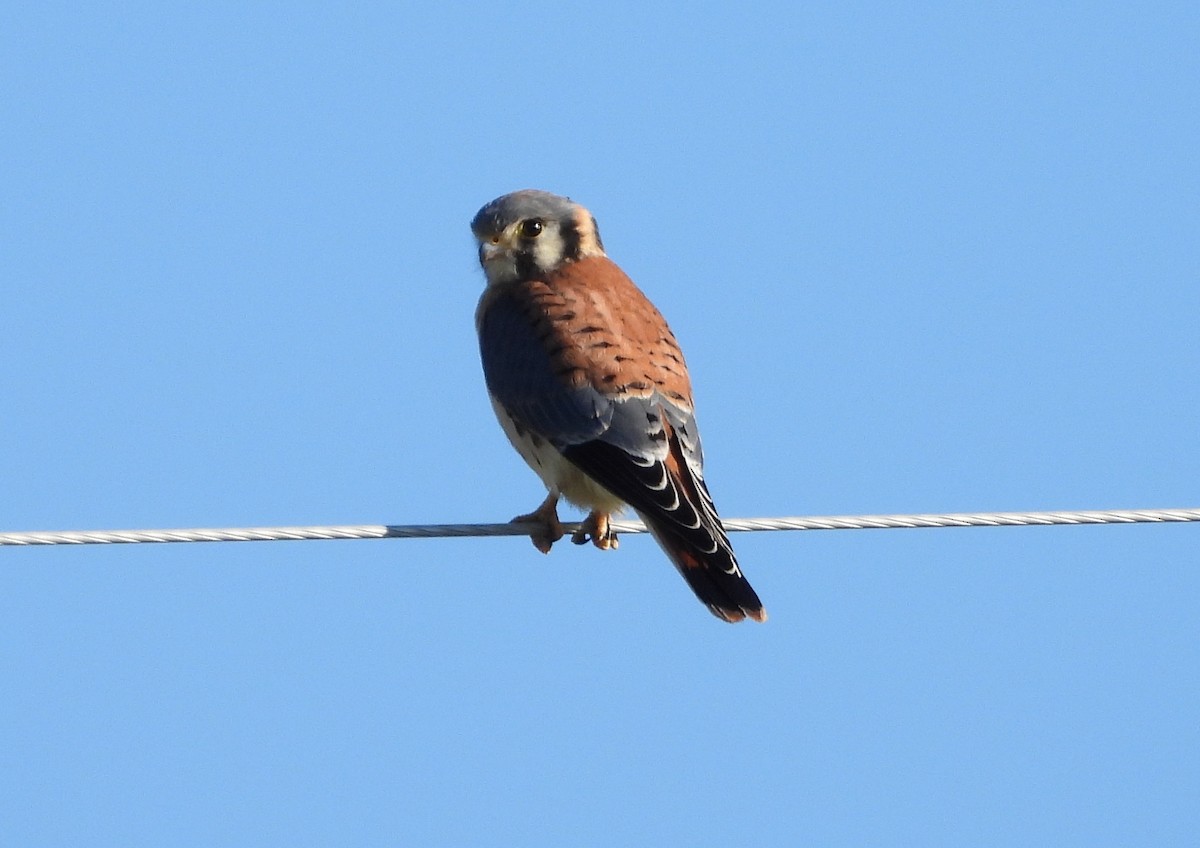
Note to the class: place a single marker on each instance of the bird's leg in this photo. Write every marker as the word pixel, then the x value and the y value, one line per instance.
pixel 547 528
pixel 596 527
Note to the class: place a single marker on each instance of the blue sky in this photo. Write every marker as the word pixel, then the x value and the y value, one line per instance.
pixel 935 258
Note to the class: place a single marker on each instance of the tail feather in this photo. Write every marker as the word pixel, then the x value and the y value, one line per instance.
pixel 670 496
pixel 705 560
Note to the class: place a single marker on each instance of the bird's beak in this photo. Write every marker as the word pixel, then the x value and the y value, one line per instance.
pixel 490 252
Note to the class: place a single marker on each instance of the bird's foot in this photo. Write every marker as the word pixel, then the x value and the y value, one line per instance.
pixel 598 530
pixel 547 528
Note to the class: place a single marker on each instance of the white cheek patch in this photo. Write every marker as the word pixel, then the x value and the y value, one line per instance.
pixel 548 249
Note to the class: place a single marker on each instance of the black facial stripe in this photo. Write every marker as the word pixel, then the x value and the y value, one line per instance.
pixel 596 233
pixel 527 268
pixel 570 240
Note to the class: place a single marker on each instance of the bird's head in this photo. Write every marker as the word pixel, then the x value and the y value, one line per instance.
pixel 528 234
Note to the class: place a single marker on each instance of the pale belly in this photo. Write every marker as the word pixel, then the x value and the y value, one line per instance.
pixel 558 475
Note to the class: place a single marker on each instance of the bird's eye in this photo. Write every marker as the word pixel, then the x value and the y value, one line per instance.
pixel 532 228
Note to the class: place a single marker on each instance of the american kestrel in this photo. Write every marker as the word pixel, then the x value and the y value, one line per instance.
pixel 590 386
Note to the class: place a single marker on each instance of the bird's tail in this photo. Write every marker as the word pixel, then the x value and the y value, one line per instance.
pixel 705 558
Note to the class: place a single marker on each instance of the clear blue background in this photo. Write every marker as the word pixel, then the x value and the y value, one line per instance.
pixel 928 258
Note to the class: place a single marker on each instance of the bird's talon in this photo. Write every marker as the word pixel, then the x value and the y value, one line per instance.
pixel 547 529
pixel 596 529
pixel 606 541
pixel 543 534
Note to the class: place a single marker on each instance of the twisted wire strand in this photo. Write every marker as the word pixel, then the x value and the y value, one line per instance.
pixel 432 531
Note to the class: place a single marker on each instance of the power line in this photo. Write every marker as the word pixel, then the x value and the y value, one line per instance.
pixel 430 531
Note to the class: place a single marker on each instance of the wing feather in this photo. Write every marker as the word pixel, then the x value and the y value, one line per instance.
pixel 676 506
pixel 521 374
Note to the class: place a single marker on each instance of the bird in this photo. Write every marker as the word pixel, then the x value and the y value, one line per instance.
pixel 590 386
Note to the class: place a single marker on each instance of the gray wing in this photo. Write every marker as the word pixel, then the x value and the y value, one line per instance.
pixel 525 375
